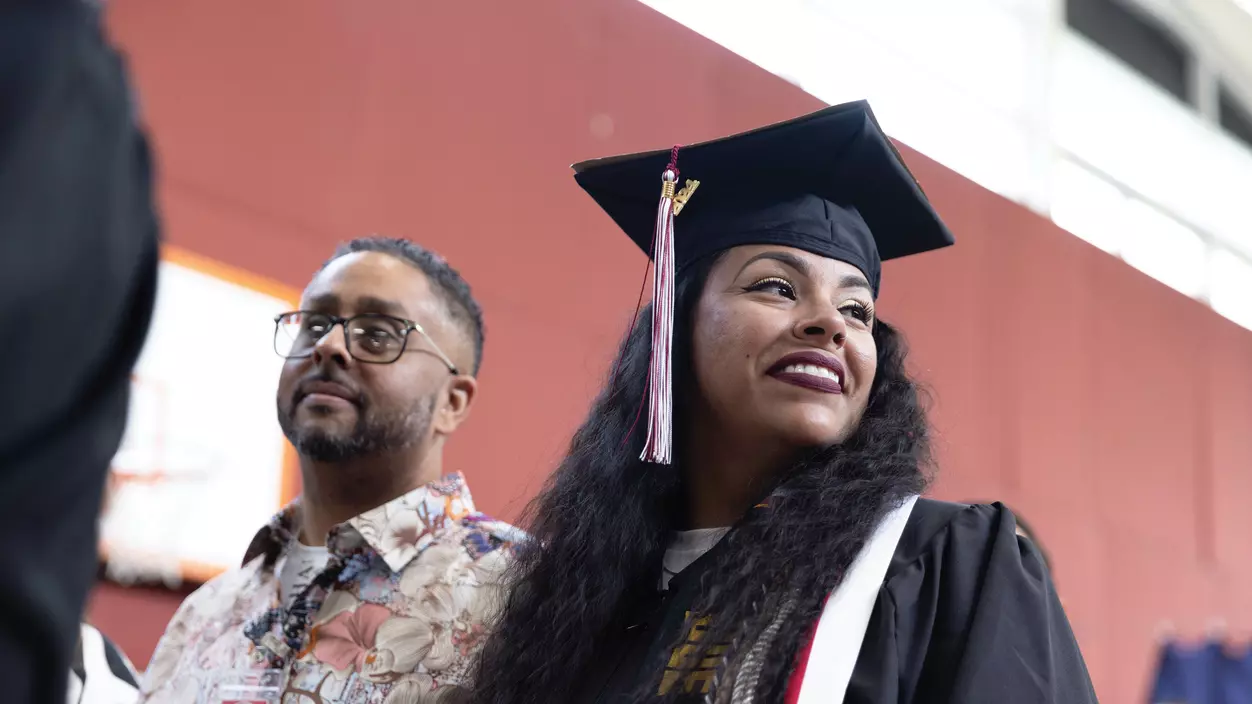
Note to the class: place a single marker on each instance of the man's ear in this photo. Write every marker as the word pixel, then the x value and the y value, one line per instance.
pixel 458 399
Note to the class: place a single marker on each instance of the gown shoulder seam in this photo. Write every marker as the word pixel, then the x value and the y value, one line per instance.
pixel 933 522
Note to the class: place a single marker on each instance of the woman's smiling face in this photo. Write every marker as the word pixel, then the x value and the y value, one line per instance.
pixel 782 345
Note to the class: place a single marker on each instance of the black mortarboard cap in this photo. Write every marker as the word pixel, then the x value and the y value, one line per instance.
pixel 830 183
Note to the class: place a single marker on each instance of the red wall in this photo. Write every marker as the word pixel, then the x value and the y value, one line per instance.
pixel 1112 412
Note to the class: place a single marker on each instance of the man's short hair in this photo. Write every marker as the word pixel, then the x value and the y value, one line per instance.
pixel 455 291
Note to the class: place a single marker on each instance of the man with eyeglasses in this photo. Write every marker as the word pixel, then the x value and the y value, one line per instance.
pixel 376 585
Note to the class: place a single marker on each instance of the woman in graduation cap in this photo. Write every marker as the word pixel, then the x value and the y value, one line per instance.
pixel 738 519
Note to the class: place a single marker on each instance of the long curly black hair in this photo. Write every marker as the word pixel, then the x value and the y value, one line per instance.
pixel 599 530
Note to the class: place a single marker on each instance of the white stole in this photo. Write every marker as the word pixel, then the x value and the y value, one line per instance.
pixel 840 630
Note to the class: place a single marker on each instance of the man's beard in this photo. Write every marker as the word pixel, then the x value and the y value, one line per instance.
pixel 374 433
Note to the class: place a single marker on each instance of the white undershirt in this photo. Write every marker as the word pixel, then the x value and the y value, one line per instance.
pixel 303 564
pixel 685 547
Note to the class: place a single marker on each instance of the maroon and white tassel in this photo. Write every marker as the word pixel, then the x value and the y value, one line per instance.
pixel 658 448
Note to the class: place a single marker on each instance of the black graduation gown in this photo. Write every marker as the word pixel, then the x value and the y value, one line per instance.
pixel 966 614
pixel 78 267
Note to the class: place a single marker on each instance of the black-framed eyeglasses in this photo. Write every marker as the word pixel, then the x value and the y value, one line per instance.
pixel 372 338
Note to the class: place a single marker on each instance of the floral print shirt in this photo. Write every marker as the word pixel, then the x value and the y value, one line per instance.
pixel 396 617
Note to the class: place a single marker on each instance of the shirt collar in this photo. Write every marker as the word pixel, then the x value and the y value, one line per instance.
pixel 397 531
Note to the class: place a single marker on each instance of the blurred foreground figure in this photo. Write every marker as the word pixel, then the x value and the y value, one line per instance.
pixel 377 585
pixel 78 262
